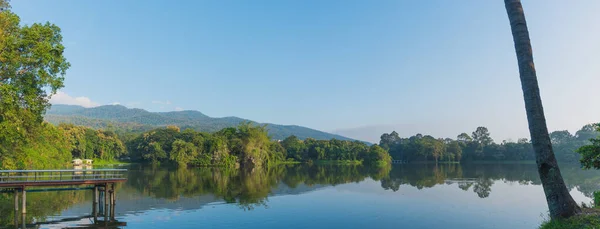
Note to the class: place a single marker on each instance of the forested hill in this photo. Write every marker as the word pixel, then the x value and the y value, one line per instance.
pixel 142 120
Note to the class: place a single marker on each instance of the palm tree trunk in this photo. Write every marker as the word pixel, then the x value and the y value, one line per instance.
pixel 560 202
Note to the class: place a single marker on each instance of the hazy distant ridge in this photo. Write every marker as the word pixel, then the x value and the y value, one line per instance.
pixel 140 119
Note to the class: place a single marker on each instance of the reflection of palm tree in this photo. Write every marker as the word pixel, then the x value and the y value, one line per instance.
pixel 560 202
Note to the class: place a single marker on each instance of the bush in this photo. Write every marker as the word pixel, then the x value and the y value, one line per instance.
pixel 596 199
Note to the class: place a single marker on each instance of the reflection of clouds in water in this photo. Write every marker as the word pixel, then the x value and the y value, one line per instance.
pixel 579 197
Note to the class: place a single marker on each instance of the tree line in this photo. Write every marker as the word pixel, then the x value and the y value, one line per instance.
pixel 247 144
pixel 479 146
pixel 334 150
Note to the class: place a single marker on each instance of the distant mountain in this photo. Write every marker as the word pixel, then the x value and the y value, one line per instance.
pixel 142 120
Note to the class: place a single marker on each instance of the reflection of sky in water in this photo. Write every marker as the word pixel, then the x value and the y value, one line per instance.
pixel 367 205
pixel 155 198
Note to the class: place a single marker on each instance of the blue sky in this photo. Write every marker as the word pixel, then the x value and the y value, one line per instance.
pixel 355 67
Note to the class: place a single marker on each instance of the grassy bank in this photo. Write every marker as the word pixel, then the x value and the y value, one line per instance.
pixel 577 222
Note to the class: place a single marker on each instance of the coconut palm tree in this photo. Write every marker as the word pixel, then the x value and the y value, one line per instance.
pixel 560 202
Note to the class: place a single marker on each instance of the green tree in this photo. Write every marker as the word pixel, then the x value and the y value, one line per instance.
pixel 377 156
pixel 454 149
pixel 183 152
pixel 560 202
pixel 561 137
pixel 32 67
pixel 389 140
pixel 482 136
pixel 294 147
pixel 255 143
pixel 586 132
pixel 463 137
pixel 431 147
pixel 590 154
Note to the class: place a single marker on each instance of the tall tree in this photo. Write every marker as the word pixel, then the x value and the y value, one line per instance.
pixel 561 137
pixel 32 67
pixel 482 136
pixel 587 132
pixel 560 202
pixel 464 137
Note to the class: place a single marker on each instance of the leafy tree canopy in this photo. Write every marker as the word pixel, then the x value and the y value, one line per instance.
pixel 32 67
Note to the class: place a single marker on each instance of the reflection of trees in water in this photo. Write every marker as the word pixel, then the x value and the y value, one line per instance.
pixel 250 188
pixel 477 177
pixel 480 177
pixel 483 187
pixel 40 205
pixel 586 181
pixel 247 187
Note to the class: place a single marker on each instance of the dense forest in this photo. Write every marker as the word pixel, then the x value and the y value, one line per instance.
pixel 250 145
pixel 334 150
pixel 479 146
pixel 247 144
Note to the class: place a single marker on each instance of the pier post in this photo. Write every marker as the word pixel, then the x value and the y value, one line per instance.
pixel 16 200
pixel 95 203
pixel 106 210
pixel 23 221
pixel 114 194
pixel 16 207
pixel 23 201
pixel 113 200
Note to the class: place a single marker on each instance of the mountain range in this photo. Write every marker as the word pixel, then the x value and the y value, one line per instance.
pixel 139 120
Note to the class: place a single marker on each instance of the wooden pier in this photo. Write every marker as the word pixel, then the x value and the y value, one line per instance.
pixel 100 181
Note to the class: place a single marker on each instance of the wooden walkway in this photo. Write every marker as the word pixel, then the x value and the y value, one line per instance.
pixel 101 181
pixel 65 177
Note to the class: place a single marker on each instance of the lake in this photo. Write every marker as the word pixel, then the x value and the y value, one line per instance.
pixel 317 196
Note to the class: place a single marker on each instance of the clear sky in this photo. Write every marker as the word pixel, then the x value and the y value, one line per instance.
pixel 356 67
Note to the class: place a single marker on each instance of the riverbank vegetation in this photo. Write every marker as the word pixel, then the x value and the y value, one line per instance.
pixel 327 151
pixel 583 221
pixel 479 146
pixel 589 217
pixel 590 154
pixel 245 145
pixel 248 144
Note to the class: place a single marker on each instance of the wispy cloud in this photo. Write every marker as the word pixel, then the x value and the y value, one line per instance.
pixel 115 103
pixel 167 102
pixel 178 109
pixel 63 98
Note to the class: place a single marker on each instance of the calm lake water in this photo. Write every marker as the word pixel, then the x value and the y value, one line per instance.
pixel 301 196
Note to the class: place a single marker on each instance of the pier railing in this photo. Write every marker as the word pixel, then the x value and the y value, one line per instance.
pixel 57 176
